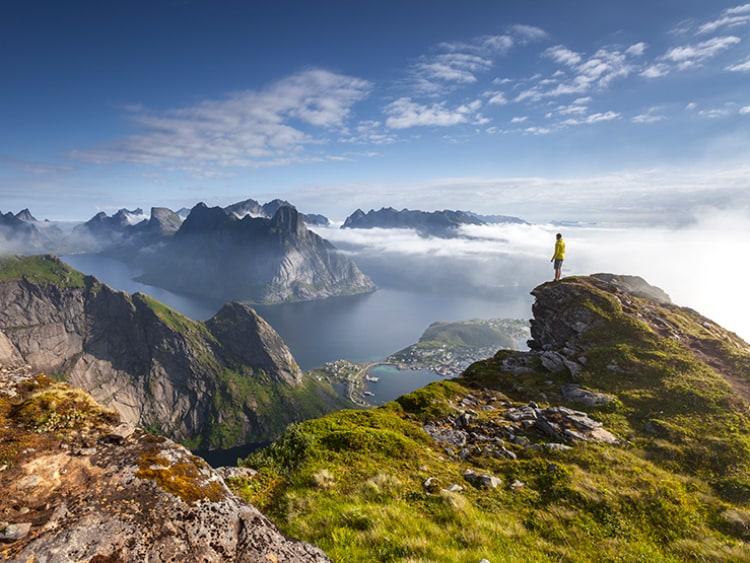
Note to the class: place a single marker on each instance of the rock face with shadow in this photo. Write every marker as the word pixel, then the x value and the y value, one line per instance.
pixel 222 383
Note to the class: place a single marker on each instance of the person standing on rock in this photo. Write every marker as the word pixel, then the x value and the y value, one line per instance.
pixel 558 256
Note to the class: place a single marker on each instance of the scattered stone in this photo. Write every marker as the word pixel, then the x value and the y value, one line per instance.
pixel 28 482
pixel 556 447
pixel 233 472
pixel 14 532
pixel 484 479
pixel 430 483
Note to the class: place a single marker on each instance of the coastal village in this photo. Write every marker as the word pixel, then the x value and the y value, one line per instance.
pixel 446 352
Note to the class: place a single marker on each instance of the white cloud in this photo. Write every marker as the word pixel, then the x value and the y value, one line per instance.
pixel 732 17
pixel 596 72
pixel 519 119
pixel 593 118
pixel 497 98
pixel 740 67
pixel 453 67
pixel 636 49
pixel 539 130
pixel 714 113
pixel 529 33
pixel 649 117
pixel 745 110
pixel 688 56
pixel 495 44
pixel 696 265
pixel 404 113
pixel 742 9
pixel 247 128
pixel 656 70
pixel 563 55
pixel 578 107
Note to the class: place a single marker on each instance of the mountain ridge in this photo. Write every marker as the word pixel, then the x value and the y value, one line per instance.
pixel 428 223
pixel 221 383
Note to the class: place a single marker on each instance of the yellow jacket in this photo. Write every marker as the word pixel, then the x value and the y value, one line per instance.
pixel 559 250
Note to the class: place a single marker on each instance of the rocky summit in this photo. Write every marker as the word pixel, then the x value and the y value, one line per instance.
pixel 222 383
pixel 80 485
pixel 621 434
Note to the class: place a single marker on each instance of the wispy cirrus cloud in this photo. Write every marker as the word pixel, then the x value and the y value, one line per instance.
pixel 732 17
pixel 457 63
pixel 688 56
pixel 245 129
pixel 743 66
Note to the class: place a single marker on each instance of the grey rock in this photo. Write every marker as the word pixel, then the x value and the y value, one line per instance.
pixel 14 532
pixel 577 394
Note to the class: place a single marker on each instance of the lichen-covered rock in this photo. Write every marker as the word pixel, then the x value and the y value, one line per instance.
pixel 80 486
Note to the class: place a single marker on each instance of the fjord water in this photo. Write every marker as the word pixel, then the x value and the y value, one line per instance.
pixel 359 328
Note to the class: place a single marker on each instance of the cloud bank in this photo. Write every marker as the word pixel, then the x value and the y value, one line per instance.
pixel 702 266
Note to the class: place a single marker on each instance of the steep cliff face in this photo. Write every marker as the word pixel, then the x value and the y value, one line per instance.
pixel 79 485
pixel 253 259
pixel 222 383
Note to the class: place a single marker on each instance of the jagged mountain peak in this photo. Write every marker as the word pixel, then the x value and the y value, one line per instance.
pixel 203 218
pixel 25 215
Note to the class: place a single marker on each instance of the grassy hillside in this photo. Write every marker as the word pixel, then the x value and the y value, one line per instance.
pixel 671 386
pixel 40 269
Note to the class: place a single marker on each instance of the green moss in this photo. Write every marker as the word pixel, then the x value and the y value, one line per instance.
pixel 188 478
pixel 40 269
pixel 56 406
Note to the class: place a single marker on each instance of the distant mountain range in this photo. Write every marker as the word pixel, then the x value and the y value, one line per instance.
pixel 246 251
pixel 429 223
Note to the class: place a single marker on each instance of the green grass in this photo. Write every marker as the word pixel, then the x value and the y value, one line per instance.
pixel 676 489
pixel 40 269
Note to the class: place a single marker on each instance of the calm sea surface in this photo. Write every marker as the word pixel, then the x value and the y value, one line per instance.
pixel 357 328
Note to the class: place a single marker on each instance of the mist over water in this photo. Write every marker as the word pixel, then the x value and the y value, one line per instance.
pixel 486 272
pixel 701 264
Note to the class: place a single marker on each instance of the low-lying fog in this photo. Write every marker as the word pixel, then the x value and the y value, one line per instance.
pixel 703 265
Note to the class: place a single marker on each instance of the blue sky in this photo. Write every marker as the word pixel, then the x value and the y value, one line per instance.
pixel 585 110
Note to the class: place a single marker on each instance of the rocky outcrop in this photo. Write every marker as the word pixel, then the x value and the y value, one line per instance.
pixel 78 485
pixel 510 427
pixel 249 338
pixel 192 381
pixel 565 312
